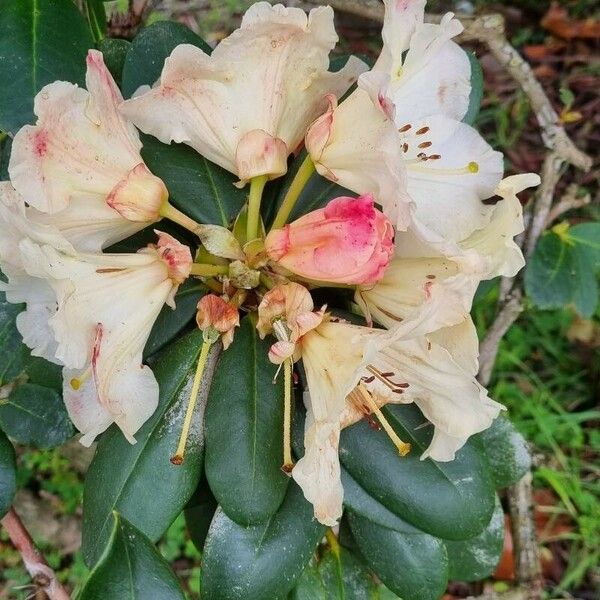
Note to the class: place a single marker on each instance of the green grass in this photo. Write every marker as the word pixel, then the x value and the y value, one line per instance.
pixel 547 384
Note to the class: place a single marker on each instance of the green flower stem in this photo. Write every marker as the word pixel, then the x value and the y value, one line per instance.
pixel 168 211
pixel 307 168
pixel 203 270
pixel 257 185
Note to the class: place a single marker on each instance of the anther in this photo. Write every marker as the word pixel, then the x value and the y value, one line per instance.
pixel 404 128
pixel 424 144
pixel 403 447
pixel 422 130
pixel 405 147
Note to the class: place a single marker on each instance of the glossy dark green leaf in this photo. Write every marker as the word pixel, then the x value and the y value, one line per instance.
pixel 130 568
pixel 95 15
pixel 40 41
pixel 171 322
pixel 414 566
pixel 506 451
pixel 199 513
pixel 338 575
pixel 14 355
pixel 8 477
pixel 360 502
pixel 244 430
pixel 562 270
pixel 138 480
pixel 35 415
pixel 5 148
pixel 114 51
pixel 477 558
pixel 260 561
pixel 201 189
pixel 453 500
pixel 149 49
pixel 476 89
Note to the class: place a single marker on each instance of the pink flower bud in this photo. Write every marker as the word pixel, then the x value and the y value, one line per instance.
pixel 139 196
pixel 218 314
pixel 176 256
pixel 349 241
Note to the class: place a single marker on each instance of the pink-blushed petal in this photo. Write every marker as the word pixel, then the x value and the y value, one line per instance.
pixel 271 75
pixel 349 241
pixel 357 145
pixel 80 147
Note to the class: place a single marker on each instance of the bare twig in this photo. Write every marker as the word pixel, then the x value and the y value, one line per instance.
pixel 488 348
pixel 569 201
pixel 42 575
pixel 527 558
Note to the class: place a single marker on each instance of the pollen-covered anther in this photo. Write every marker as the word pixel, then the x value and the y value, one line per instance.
pixel 386 379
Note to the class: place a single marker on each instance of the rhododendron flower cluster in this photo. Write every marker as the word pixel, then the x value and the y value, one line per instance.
pixel 411 235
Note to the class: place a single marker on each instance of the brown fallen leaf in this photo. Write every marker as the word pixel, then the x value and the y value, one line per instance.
pixel 558 22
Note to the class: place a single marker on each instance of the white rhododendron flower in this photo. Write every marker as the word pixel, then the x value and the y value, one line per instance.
pixel 247 106
pixel 15 226
pixel 426 77
pixel 81 162
pixel 357 145
pixel 107 305
pixel 419 269
pixel 429 73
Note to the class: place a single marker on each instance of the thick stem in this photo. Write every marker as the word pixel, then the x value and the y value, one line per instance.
pixel 257 185
pixel 307 168
pixel 174 214
pixel 43 576
pixel 202 270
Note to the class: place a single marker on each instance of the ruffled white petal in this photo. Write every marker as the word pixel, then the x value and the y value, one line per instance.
pixel 81 155
pixel 318 472
pixel 356 145
pixel 107 305
pixel 430 74
pixel 450 170
pixel 441 386
pixel 270 75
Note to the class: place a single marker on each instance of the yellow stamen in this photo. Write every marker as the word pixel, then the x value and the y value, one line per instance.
pixel 177 458
pixel 288 462
pixel 418 165
pixel 77 382
pixel 403 447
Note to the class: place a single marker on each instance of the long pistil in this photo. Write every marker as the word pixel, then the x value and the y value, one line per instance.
pixel 177 458
pixel 403 447
pixel 288 462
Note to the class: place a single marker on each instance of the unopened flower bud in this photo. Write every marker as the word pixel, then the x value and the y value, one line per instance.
pixel 216 314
